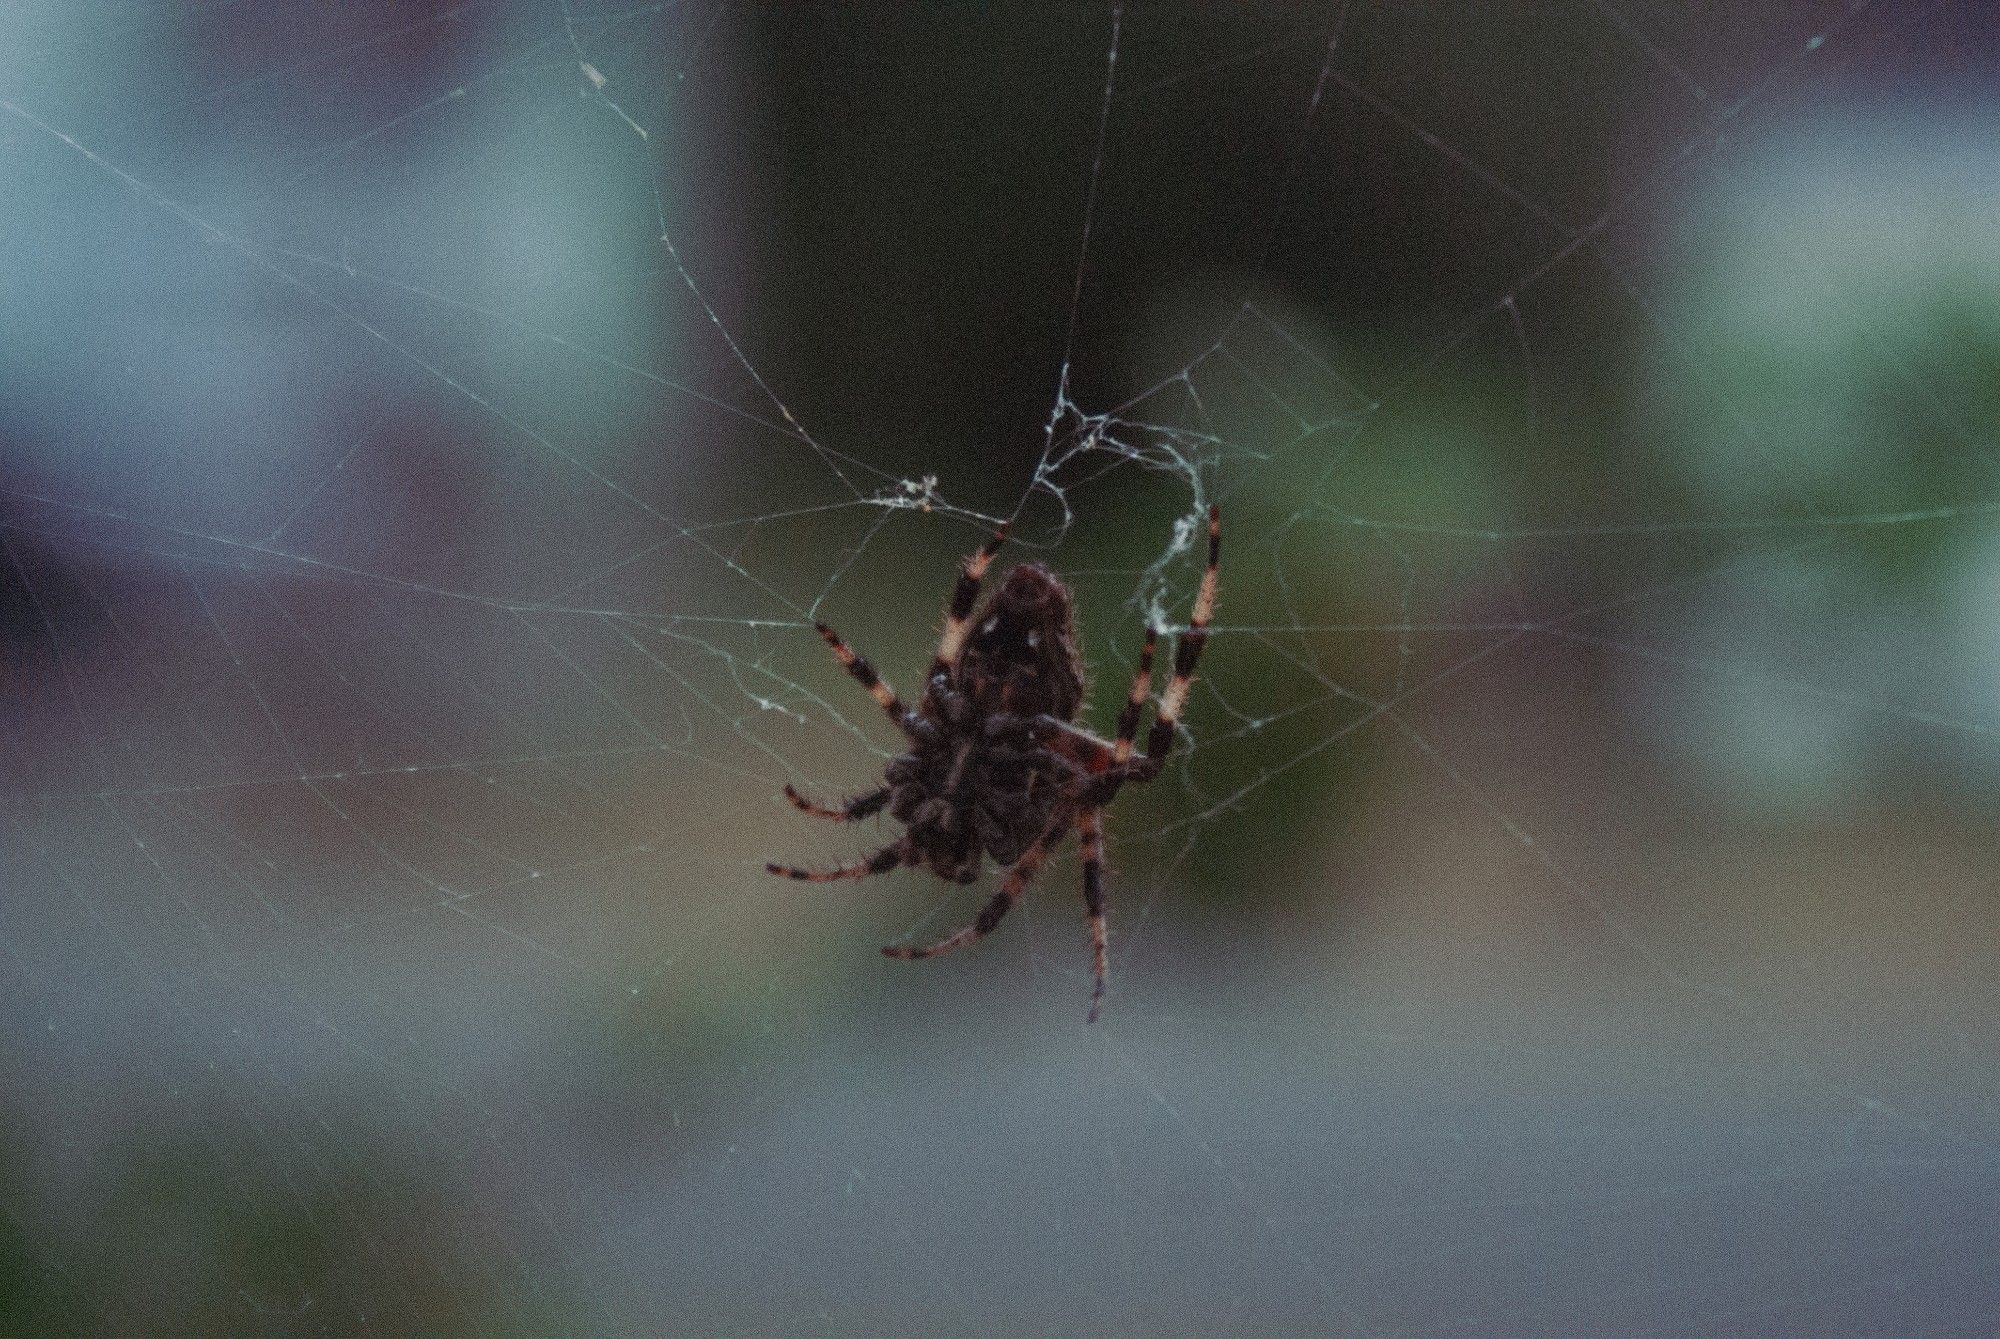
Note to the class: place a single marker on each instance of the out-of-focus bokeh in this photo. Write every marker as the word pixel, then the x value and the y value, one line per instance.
pixel 428 435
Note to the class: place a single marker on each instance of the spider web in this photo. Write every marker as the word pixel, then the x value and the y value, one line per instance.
pixel 431 435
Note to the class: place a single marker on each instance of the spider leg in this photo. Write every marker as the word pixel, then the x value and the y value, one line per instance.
pixel 1135 701
pixel 884 860
pixel 1091 827
pixel 958 615
pixel 1073 743
pixel 1187 652
pixel 865 675
pixel 998 906
pixel 862 806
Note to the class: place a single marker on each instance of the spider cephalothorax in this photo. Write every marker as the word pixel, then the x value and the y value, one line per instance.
pixel 997 765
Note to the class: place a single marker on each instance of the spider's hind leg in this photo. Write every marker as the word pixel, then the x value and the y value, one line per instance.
pixel 1091 829
pixel 1000 904
pixel 884 860
pixel 860 807
pixel 1135 701
pixel 865 675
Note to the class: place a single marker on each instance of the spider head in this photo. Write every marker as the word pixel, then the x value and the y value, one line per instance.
pixel 1021 656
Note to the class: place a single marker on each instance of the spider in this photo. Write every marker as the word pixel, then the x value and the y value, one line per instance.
pixel 997 764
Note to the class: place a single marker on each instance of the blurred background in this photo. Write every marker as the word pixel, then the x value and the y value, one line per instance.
pixel 428 434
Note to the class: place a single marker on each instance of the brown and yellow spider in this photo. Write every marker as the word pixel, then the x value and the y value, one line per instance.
pixel 997 764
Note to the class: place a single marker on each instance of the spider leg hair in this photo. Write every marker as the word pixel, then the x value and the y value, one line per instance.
pixel 884 860
pixel 860 807
pixel 1187 651
pixel 1091 827
pixel 958 615
pixel 865 675
pixel 997 907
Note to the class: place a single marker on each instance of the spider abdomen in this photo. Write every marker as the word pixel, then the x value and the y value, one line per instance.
pixel 1021 658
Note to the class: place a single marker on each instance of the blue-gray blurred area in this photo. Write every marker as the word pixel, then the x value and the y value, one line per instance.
pixel 428 435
